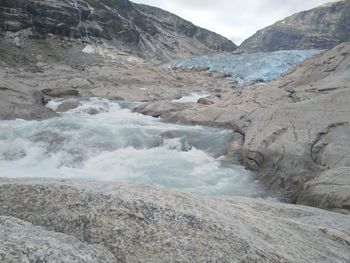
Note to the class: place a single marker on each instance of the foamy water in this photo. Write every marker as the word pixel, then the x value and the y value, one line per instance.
pixel 193 97
pixel 118 145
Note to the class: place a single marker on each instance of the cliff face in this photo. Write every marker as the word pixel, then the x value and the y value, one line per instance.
pixel 320 28
pixel 139 28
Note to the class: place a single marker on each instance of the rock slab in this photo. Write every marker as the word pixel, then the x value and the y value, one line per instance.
pixel 22 242
pixel 142 224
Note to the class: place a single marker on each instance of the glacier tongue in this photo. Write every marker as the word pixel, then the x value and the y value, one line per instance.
pixel 247 67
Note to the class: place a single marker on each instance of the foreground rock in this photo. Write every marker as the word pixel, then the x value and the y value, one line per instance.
pixel 22 242
pixel 294 127
pixel 320 28
pixel 141 224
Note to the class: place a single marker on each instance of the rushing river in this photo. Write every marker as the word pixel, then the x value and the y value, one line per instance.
pixel 118 145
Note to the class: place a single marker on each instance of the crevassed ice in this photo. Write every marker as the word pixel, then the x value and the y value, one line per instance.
pixel 118 145
pixel 247 67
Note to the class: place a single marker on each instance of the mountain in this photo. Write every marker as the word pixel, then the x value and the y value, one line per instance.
pixel 137 28
pixel 320 28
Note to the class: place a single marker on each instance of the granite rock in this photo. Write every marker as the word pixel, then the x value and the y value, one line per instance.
pixel 142 224
pixel 23 242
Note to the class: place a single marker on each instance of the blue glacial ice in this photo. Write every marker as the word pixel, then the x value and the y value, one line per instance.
pixel 247 67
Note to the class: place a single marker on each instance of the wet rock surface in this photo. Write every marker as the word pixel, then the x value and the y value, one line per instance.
pixel 67 105
pixel 61 92
pixel 205 101
pixel 142 224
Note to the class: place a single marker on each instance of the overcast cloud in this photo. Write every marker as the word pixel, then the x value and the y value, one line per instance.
pixel 234 19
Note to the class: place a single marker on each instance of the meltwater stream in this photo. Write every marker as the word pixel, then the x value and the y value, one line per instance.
pixel 118 145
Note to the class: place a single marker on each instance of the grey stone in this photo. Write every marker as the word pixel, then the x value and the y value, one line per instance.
pixel 117 98
pixel 23 242
pixel 162 109
pixel 17 101
pixel 142 224
pixel 67 105
pixel 10 111
pixel 205 101
pixel 60 92
pixel 93 111
pixel 330 190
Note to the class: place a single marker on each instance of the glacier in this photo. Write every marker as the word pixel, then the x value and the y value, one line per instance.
pixel 262 66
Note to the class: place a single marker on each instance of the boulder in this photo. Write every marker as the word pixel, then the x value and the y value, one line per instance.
pixel 163 109
pixel 23 242
pixel 10 111
pixel 235 145
pixel 22 101
pixel 117 98
pixel 68 105
pixel 205 101
pixel 143 224
pixel 60 92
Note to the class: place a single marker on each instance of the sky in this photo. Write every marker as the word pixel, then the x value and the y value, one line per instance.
pixel 234 19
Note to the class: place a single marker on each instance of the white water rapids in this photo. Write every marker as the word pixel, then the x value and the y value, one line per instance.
pixel 118 145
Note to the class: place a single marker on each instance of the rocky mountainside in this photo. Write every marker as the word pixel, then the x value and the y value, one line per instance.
pixel 320 28
pixel 140 29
